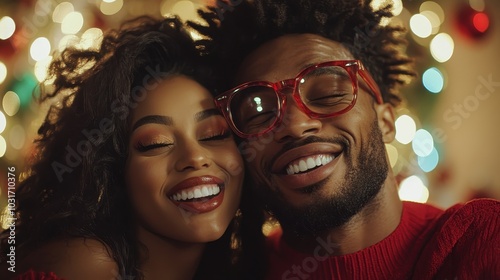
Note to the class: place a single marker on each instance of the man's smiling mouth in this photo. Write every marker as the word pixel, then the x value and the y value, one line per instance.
pixel 308 163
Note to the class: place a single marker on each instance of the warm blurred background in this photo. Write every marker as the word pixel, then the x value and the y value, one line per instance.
pixel 448 138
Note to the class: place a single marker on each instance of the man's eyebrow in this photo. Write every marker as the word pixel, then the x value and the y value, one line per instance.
pixel 206 114
pixel 153 119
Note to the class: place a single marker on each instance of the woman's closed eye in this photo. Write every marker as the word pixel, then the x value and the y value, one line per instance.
pixel 224 134
pixel 151 146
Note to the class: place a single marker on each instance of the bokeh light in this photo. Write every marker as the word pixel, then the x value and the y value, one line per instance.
pixel 185 9
pixel 41 68
pixel 11 103
pixel 420 26
pixel 405 129
pixel 3 122
pixel 442 47
pixel 422 143
pixel 433 19
pixel 72 23
pixel 429 163
pixel 7 27
pixel 413 189
pixel 433 80
pixel 3 72
pixel 68 41
pixel 477 5
pixel 433 7
pixel 397 5
pixel 91 38
pixel 3 146
pixel 61 11
pixel 393 154
pixel 40 48
pixel 481 22
pixel 111 8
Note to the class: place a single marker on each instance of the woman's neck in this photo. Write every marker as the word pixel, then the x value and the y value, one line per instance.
pixel 168 259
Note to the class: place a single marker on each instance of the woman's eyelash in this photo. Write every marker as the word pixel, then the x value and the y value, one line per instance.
pixel 144 148
pixel 219 136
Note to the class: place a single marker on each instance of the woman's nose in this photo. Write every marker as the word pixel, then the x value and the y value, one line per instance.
pixel 191 156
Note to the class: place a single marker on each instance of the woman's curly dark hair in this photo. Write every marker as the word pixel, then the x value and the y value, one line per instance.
pixel 235 28
pixel 75 184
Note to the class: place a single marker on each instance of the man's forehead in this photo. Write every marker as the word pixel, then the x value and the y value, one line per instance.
pixel 290 54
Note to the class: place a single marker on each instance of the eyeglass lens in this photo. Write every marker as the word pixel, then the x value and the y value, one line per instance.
pixel 323 90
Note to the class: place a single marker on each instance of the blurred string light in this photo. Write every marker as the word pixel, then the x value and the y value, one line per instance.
pixel 397 8
pixel 40 48
pixel 185 9
pixel 473 20
pixel 3 72
pixel 111 7
pixel 481 22
pixel 61 11
pixel 433 19
pixel 413 189
pixel 420 26
pixel 393 154
pixel 397 5
pixel 477 5
pixel 429 162
pixel 3 122
pixel 72 23
pixel 41 68
pixel 91 38
pixel 11 103
pixel 422 143
pixel 7 27
pixel 433 7
pixel 433 80
pixel 442 47
pixel 3 146
pixel 68 41
pixel 405 129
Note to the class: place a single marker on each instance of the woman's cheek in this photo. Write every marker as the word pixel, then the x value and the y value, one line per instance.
pixel 233 162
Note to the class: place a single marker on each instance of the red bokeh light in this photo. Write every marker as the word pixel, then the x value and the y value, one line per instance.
pixel 472 23
pixel 481 22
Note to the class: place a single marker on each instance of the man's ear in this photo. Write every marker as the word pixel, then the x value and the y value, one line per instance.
pixel 385 116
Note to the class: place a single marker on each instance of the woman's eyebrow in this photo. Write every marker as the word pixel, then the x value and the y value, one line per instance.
pixel 206 113
pixel 153 119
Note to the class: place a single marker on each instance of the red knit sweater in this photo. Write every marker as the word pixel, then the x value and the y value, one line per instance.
pixel 462 242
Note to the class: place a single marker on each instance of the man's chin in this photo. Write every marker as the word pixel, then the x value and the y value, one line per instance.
pixel 307 196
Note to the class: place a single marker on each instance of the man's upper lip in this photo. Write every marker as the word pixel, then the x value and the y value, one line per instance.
pixel 281 161
pixel 196 181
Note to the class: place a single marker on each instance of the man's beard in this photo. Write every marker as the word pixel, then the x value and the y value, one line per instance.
pixel 359 187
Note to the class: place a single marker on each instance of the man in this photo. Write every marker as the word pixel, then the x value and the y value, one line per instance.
pixel 314 86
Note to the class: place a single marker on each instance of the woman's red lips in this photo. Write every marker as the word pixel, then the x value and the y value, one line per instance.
pixel 198 194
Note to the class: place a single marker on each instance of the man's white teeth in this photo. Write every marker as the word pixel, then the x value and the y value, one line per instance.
pixel 308 163
pixel 196 192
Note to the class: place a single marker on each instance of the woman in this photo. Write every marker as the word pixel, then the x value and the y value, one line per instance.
pixel 137 175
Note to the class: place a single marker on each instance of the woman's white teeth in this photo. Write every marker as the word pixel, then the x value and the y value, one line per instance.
pixel 308 163
pixel 196 192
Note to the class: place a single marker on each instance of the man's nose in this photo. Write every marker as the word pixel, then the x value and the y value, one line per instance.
pixel 295 123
